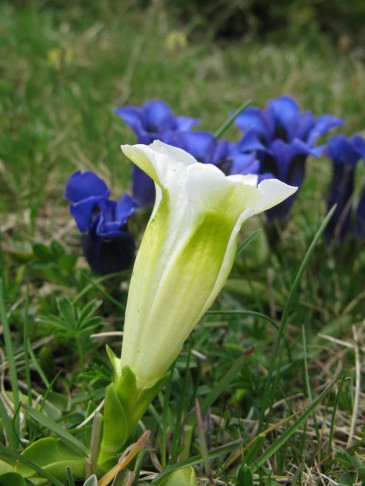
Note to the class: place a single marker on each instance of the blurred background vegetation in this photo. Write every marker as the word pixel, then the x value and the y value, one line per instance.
pixel 64 67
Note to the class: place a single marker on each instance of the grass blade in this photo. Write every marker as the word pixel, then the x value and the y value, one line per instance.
pixel 271 384
pixel 231 119
pixel 8 426
pixel 224 381
pixel 247 241
pixel 57 429
pixel 192 461
pixel 275 446
pixel 11 360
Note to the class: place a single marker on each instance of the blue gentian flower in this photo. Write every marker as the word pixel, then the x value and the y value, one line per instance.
pixel 203 146
pixel 151 121
pixel 345 154
pixel 107 243
pixel 282 137
pixel 207 149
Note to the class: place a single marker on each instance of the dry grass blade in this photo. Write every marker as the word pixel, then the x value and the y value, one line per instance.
pixel 126 458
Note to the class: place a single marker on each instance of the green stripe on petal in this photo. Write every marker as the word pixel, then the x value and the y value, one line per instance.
pixel 187 252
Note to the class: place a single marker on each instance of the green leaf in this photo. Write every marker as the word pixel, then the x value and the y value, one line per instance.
pixel 14 455
pixel 89 310
pixel 57 249
pixel 42 252
pixel 13 479
pixel 91 481
pixel 212 454
pixel 244 476
pixel 115 428
pixel 280 441
pixel 254 449
pixel 52 456
pixel 181 477
pixel 72 442
pixel 67 311
pixel 5 467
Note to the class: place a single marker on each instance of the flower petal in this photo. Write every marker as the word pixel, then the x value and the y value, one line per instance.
pixel 84 185
pixel 324 124
pixel 282 113
pixel 252 118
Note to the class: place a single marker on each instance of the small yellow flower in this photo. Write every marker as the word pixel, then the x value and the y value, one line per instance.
pixel 59 57
pixel 176 40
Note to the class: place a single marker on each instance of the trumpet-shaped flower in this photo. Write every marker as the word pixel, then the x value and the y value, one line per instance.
pixel 151 121
pixel 345 154
pixel 108 245
pixel 282 137
pixel 186 253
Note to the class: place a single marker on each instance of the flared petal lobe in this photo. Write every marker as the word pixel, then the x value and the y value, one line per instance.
pixel 186 253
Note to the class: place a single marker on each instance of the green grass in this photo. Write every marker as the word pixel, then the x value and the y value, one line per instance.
pixel 63 71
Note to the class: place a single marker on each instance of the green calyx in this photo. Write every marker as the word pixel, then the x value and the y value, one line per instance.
pixel 124 406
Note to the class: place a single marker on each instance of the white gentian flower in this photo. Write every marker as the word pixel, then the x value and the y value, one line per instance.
pixel 186 253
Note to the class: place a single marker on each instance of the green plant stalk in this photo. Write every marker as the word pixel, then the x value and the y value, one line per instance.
pixel 124 405
pixel 231 119
pixel 10 355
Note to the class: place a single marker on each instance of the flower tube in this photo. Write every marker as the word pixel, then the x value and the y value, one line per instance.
pixel 187 251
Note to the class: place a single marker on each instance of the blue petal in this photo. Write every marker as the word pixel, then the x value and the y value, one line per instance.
pixel 153 120
pixel 304 124
pixel 185 123
pixel 125 208
pixel 143 188
pixel 84 185
pixel 340 193
pixel 252 118
pixel 221 153
pixel 158 117
pixel 282 113
pixel 265 176
pixel 244 163
pixel 87 212
pixel 324 124
pixel 109 255
pixel 358 143
pixel 290 159
pixel 250 142
pixel 342 152
pixel 133 117
pixel 200 144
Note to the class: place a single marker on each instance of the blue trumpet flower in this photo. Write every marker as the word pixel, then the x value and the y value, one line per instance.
pixel 282 137
pixel 345 154
pixel 207 149
pixel 151 121
pixel 204 147
pixel 107 243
